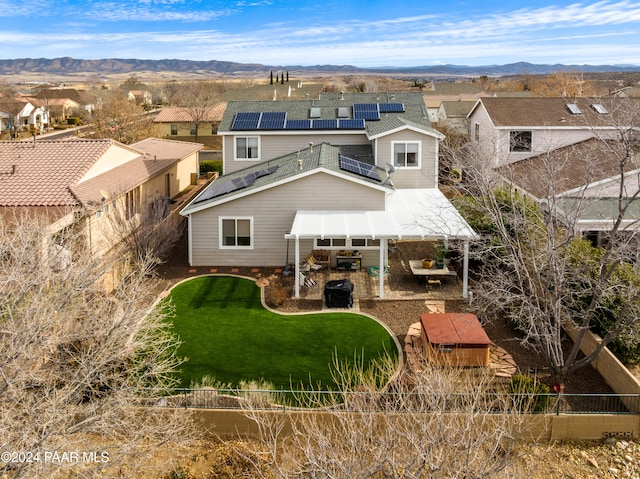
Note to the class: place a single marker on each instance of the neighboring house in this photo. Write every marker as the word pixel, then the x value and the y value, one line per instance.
pixel 177 123
pixel 342 172
pixel 20 114
pixel 506 130
pixel 53 98
pixel 435 100
pixel 77 183
pixel 453 114
pixel 582 183
pixel 141 97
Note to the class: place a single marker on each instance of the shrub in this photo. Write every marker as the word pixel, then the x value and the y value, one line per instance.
pixel 529 394
pixel 210 165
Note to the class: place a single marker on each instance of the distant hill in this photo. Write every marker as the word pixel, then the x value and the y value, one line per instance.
pixel 72 66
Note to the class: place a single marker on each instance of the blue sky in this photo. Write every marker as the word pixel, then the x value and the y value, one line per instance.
pixel 365 33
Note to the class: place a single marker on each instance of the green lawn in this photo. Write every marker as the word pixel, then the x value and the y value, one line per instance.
pixel 227 333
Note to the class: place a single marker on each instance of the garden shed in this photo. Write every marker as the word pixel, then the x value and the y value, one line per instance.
pixel 455 339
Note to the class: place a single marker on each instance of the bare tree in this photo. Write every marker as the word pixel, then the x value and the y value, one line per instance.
pixel 146 236
pixel 121 119
pixel 78 362
pixel 198 98
pixel 534 267
pixel 429 422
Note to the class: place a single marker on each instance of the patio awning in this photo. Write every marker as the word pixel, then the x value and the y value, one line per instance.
pixel 410 213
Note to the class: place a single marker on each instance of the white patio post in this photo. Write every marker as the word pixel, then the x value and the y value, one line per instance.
pixel 297 267
pixel 383 246
pixel 465 270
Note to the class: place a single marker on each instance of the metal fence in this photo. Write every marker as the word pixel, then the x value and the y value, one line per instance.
pixel 397 402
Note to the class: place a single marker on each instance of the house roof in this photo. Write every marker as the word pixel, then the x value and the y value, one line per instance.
pixel 50 172
pixel 457 108
pixel 565 169
pixel 181 114
pixel 327 107
pixel 555 112
pixel 81 97
pixel 42 174
pixel 322 157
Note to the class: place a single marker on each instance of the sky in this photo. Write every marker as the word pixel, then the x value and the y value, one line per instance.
pixel 363 33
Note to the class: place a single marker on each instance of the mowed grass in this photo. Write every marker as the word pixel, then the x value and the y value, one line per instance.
pixel 226 333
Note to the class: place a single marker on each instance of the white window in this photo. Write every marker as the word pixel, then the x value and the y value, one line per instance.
pixel 406 154
pixel 236 233
pixel 247 148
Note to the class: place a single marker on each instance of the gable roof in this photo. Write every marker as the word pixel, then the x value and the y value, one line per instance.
pixel 82 97
pixel 565 169
pixel 327 108
pixel 41 174
pixel 267 174
pixel 555 112
pixel 181 114
pixel 50 172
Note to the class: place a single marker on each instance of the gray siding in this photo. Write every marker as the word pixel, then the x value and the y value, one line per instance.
pixel 273 212
pixel 426 176
pixel 275 146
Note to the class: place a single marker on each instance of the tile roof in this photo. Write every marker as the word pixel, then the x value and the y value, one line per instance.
pixel 323 156
pixel 48 172
pixel 181 114
pixel 553 112
pixel 328 104
pixel 41 174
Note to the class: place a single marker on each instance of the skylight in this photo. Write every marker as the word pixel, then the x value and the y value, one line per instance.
pixel 574 109
pixel 600 109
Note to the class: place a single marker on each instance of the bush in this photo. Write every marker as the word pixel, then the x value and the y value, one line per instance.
pixel 210 165
pixel 529 394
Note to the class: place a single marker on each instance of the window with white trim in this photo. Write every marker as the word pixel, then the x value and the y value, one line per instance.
pixel 520 140
pixel 247 148
pixel 406 154
pixel 236 233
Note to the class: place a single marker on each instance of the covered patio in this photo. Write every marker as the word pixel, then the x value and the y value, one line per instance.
pixel 416 214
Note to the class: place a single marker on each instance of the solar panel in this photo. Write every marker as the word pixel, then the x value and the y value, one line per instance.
pixel 355 124
pixel 218 189
pixel 272 120
pixel 298 124
pixel 391 107
pixel 246 121
pixel 359 168
pixel 366 111
pixel 324 124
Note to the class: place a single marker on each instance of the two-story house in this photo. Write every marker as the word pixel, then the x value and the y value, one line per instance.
pixel 506 130
pixel 344 171
pixel 577 156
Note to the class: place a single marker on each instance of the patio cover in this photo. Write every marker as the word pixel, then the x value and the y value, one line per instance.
pixel 411 213
pixel 423 213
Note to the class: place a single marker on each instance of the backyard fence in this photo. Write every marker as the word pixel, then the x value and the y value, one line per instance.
pixel 239 399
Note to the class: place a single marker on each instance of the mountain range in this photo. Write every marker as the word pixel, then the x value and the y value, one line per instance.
pixel 72 66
